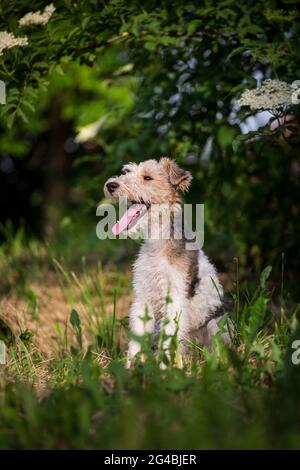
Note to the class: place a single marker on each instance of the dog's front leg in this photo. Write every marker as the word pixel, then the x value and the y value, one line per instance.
pixel 141 322
pixel 175 323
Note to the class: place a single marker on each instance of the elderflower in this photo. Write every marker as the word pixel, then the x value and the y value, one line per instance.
pixel 89 131
pixel 37 18
pixel 271 95
pixel 8 40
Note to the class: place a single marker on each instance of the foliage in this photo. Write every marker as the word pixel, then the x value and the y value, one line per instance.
pixel 165 78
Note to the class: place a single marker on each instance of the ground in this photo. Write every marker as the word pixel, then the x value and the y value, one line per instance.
pixel 65 323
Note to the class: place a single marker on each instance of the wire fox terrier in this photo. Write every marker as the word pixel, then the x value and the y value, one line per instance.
pixel 170 282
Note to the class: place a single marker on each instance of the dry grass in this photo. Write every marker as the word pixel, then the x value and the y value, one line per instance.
pixel 93 293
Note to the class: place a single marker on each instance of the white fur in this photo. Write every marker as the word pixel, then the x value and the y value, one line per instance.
pixel 160 275
pixel 155 279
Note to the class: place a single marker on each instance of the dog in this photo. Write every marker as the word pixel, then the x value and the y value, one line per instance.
pixel 177 287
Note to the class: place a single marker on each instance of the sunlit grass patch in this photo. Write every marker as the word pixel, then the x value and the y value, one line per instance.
pixel 65 384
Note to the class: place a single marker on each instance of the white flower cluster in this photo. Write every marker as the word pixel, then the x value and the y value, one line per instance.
pixel 271 95
pixel 37 18
pixel 8 40
pixel 89 131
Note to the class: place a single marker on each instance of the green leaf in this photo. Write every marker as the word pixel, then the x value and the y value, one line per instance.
pixel 11 119
pixel 22 115
pixel 59 70
pixel 76 323
pixel 238 140
pixel 193 26
pixel 257 315
pixel 225 135
pixel 41 65
pixel 13 91
pixel 28 105
pixel 6 108
pixel 265 275
pixel 235 52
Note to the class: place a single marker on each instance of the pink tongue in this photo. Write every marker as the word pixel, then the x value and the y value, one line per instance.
pixel 130 215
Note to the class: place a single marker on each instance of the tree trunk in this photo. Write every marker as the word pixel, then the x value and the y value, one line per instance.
pixel 57 168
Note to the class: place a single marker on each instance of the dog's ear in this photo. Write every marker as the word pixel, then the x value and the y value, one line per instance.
pixel 179 178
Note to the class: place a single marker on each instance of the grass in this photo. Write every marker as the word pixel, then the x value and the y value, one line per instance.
pixel 65 384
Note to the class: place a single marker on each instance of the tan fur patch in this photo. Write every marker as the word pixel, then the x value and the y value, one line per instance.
pixel 166 182
pixel 186 261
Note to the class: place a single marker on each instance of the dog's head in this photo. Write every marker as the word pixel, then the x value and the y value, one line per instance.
pixel 147 184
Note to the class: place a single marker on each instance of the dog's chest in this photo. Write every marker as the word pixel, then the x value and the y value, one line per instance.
pixel 155 278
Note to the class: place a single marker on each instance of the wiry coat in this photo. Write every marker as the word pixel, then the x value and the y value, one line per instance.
pixel 169 280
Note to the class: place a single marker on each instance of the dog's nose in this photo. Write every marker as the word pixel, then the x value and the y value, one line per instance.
pixel 112 186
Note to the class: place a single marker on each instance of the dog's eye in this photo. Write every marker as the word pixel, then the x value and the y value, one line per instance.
pixel 148 178
pixel 123 172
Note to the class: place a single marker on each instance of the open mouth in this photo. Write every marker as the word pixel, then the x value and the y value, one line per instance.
pixel 134 213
